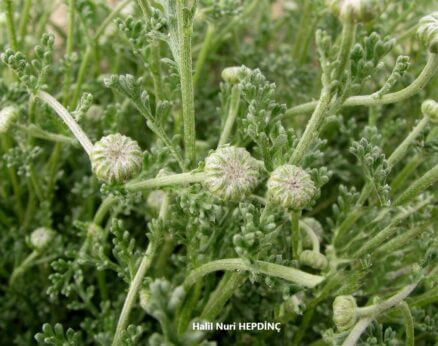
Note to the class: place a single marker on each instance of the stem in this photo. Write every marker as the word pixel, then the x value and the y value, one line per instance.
pixel 185 28
pixel 133 290
pixel 347 41
pixel 10 25
pixel 232 113
pixel 202 57
pixel 409 323
pixel 219 297
pixel 37 132
pixel 410 167
pixel 304 27
pixel 296 234
pixel 175 179
pixel 104 207
pixel 418 186
pixel 371 100
pixel 290 274
pixel 357 331
pixel 313 237
pixel 23 267
pixel 311 131
pixel 22 28
pixel 69 48
pixel 68 119
pixel 400 240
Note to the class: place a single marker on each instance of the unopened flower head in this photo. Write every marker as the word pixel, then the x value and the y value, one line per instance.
pixel 8 115
pixel 41 238
pixel 430 109
pixel 428 32
pixel 231 74
pixel 291 187
pixel 355 10
pixel 116 158
pixel 344 312
pixel 231 173
pixel 313 259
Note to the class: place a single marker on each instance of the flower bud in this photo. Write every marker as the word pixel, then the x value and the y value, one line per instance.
pixel 116 158
pixel 231 173
pixel 344 312
pixel 41 238
pixel 355 10
pixel 7 118
pixel 428 32
pixel 430 110
pixel 231 74
pixel 313 259
pixel 291 187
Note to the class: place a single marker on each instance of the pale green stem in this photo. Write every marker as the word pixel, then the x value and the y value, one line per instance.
pixel 311 131
pixel 410 167
pixel 409 323
pixel 133 290
pixel 370 312
pixel 389 230
pixel 108 20
pixel 104 207
pixel 185 28
pixel 371 100
pixel 168 180
pixel 347 41
pixel 313 237
pixel 237 264
pixel 232 113
pixel 37 132
pixel 69 48
pixel 397 242
pixel 202 57
pixel 418 186
pixel 22 28
pixel 221 295
pixel 28 261
pixel 11 25
pixel 68 120
pixel 304 27
pixel 296 234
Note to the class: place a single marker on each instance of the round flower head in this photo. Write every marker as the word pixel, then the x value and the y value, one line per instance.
pixel 116 158
pixel 355 10
pixel 41 237
pixel 344 312
pixel 231 173
pixel 231 74
pixel 428 31
pixel 291 187
pixel 7 118
pixel 430 109
pixel 313 259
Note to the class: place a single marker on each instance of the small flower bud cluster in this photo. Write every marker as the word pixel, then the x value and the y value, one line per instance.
pixel 355 10
pixel 116 158
pixel 428 32
pixel 8 115
pixel 41 238
pixel 344 312
pixel 430 109
pixel 291 187
pixel 231 173
pixel 231 74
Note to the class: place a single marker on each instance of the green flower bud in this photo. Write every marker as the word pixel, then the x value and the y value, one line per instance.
pixel 7 118
pixel 355 10
pixel 428 32
pixel 344 312
pixel 41 238
pixel 231 173
pixel 231 74
pixel 313 259
pixel 430 109
pixel 291 187
pixel 116 158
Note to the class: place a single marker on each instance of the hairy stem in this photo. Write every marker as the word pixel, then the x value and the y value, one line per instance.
pixel 185 28
pixel 290 274
pixel 203 54
pixel 371 100
pixel 168 180
pixel 409 323
pixel 22 28
pixel 23 267
pixel 12 34
pixel 68 120
pixel 296 234
pixel 232 113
